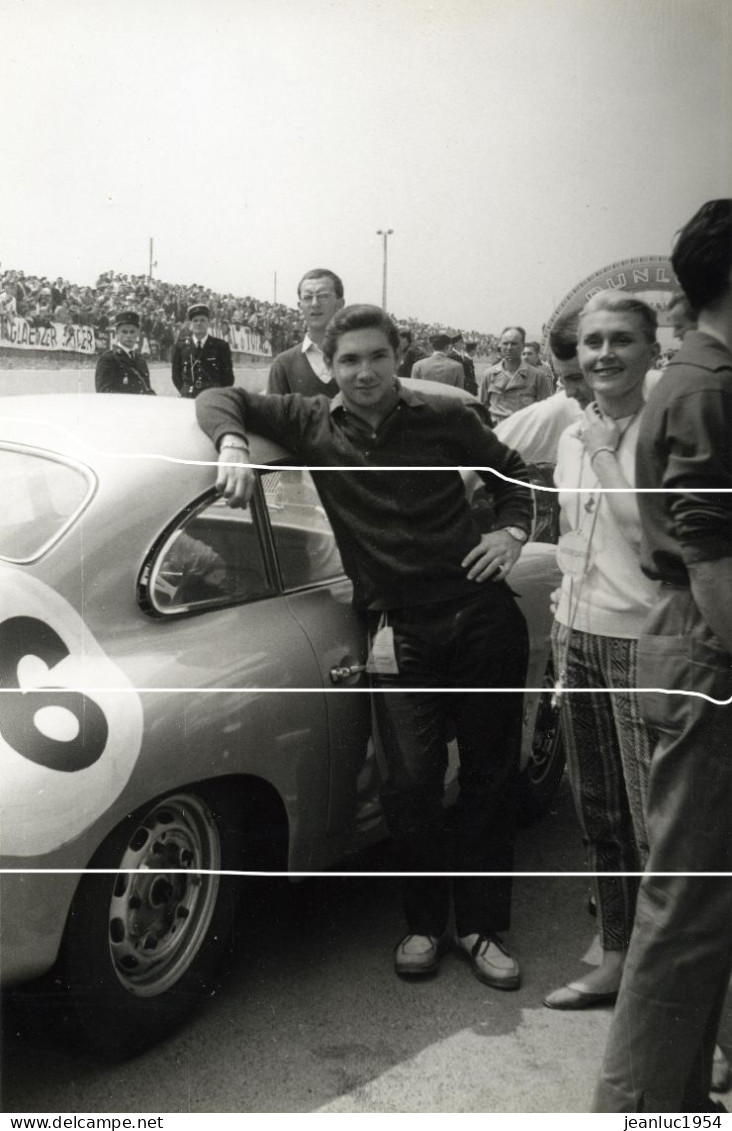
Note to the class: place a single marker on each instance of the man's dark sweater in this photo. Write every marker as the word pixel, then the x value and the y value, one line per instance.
pixel 685 445
pixel 291 372
pixel 402 535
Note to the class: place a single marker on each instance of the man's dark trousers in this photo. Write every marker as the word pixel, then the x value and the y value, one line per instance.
pixel 661 1041
pixel 479 643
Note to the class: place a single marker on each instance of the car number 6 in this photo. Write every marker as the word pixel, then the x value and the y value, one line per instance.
pixel 19 717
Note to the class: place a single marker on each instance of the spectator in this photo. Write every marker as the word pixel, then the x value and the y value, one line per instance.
pixel 531 355
pixel 200 361
pixel 439 367
pixel 121 369
pixel 660 1048
pixel 303 369
pixel 511 384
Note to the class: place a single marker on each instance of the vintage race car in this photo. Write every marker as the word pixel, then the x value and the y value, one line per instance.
pixel 182 694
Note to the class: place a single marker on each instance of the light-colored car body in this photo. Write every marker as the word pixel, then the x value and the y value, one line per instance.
pixel 256 684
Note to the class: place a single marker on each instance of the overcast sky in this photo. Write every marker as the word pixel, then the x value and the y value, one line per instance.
pixel 514 146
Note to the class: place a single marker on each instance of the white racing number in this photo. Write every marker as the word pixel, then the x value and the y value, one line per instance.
pixel 70 720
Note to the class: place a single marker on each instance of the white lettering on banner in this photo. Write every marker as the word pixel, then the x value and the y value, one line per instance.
pixel 18 333
pixel 244 340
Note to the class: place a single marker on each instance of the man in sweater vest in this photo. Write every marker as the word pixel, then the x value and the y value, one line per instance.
pixel 302 369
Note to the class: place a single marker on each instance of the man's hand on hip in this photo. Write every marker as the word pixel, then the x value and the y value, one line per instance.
pixel 493 558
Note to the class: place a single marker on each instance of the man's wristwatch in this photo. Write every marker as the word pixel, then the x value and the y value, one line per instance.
pixel 517 533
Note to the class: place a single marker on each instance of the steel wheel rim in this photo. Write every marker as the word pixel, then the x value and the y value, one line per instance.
pixel 162 904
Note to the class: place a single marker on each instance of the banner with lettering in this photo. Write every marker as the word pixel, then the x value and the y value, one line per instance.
pixel 650 278
pixel 242 339
pixel 18 333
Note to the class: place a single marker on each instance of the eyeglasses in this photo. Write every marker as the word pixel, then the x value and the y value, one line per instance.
pixel 316 296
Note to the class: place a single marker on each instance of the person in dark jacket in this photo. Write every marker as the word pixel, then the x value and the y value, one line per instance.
pixel 201 361
pixel 660 1048
pixel 122 369
pixel 441 616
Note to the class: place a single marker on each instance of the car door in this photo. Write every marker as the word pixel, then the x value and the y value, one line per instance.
pixel 319 597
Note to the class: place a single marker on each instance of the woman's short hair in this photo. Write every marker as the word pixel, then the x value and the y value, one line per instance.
pixel 359 316
pixel 623 302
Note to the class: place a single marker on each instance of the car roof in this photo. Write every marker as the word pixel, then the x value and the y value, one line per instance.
pixel 87 426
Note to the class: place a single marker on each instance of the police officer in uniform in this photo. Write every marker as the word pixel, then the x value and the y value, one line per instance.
pixel 201 361
pixel 122 369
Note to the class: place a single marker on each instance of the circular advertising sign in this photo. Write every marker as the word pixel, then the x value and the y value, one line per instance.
pixel 651 278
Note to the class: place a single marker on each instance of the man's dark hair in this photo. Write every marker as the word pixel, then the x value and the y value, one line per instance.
pixel 678 298
pixel 532 346
pixel 702 255
pixel 404 332
pixel 358 317
pixel 563 338
pixel 322 273
pixel 520 329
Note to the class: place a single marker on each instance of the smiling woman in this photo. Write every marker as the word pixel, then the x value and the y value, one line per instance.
pixel 602 603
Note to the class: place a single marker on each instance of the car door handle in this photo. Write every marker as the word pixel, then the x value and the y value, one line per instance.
pixel 346 671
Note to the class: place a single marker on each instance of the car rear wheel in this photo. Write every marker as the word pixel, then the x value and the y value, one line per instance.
pixel 144 943
pixel 543 772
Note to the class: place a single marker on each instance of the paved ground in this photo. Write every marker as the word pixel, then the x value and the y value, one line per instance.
pixel 15 382
pixel 312 1019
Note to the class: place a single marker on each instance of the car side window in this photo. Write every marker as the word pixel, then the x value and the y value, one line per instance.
pixel 215 556
pixel 304 541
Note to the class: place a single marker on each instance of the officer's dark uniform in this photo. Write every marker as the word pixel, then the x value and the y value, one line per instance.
pixel 195 368
pixel 121 372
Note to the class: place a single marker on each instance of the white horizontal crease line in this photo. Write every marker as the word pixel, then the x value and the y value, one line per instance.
pixel 343 875
pixel 371 467
pixel 84 690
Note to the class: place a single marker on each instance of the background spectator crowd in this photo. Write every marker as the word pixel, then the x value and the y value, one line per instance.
pixel 162 308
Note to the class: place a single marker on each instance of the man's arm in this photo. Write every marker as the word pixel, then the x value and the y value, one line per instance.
pixel 711 588
pixel 277 380
pixel 227 416
pixel 228 364
pixel 534 431
pixel 497 552
pixel 177 367
pixel 105 375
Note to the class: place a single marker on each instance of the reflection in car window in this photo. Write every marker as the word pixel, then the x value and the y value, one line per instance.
pixel 306 547
pixel 42 495
pixel 215 556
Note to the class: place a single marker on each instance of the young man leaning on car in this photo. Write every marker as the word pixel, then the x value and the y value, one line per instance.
pixel 440 613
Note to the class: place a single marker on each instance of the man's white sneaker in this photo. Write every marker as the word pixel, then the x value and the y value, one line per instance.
pixel 490 961
pixel 417 955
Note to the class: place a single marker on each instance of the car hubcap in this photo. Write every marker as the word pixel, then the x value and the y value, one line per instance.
pixel 162 904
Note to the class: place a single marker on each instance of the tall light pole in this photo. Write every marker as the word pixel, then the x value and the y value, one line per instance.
pixel 384 233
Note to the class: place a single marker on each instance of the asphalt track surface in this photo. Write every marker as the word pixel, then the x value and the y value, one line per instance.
pixel 311 1018
pixel 16 382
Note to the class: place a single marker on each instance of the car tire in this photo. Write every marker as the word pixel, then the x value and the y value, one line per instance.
pixel 144 942
pixel 540 777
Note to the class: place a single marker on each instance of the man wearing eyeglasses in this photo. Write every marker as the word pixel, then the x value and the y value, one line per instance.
pixel 302 368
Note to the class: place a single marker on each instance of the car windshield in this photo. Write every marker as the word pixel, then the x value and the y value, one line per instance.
pixel 42 495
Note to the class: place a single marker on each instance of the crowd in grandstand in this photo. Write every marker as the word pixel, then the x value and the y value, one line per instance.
pixel 162 308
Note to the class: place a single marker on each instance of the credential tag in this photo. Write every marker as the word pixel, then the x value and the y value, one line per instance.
pixel 574 556
pixel 382 657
